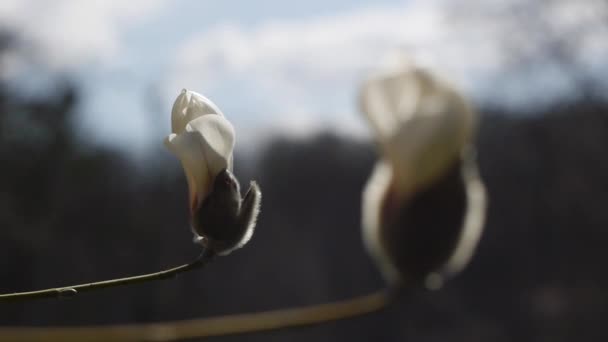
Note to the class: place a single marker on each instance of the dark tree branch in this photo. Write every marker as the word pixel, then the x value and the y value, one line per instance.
pixel 73 290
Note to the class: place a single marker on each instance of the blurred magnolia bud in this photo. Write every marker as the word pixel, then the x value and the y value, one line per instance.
pixel 424 204
pixel 204 140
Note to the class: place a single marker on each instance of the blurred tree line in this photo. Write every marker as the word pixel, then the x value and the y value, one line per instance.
pixel 72 212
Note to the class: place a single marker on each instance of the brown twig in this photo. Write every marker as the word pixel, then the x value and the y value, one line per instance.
pixel 69 291
pixel 204 327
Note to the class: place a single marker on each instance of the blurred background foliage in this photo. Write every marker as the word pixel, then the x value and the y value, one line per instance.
pixel 72 212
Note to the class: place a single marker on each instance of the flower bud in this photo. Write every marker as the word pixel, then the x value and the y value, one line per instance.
pixel 203 140
pixel 424 205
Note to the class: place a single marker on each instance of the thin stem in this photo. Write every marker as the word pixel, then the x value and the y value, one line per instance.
pixel 205 327
pixel 69 291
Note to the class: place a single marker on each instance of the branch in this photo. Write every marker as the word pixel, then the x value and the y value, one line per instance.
pixel 69 291
pixel 205 327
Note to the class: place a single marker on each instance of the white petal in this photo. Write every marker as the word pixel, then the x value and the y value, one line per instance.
pixel 188 148
pixel 421 123
pixel 217 141
pixel 373 196
pixel 474 219
pixel 188 106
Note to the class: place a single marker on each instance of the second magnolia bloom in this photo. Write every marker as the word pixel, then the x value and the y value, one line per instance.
pixel 424 205
pixel 203 140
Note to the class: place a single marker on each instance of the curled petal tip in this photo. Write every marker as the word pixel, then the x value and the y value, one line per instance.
pixel 188 106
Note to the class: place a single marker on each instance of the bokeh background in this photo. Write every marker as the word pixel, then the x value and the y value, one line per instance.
pixel 87 191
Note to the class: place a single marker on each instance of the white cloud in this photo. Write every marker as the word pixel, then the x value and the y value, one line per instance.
pixel 67 33
pixel 330 44
pixel 311 67
pixel 303 75
pixel 88 41
pixel 306 69
pixel 295 76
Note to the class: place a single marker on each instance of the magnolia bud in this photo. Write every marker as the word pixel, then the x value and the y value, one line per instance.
pixel 203 139
pixel 424 205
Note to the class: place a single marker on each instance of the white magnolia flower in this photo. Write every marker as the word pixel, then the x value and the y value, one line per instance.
pixel 202 139
pixel 424 205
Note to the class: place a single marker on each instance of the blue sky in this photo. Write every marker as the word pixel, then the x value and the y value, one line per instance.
pixel 271 66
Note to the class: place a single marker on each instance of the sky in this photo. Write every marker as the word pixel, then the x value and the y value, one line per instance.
pixel 271 66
